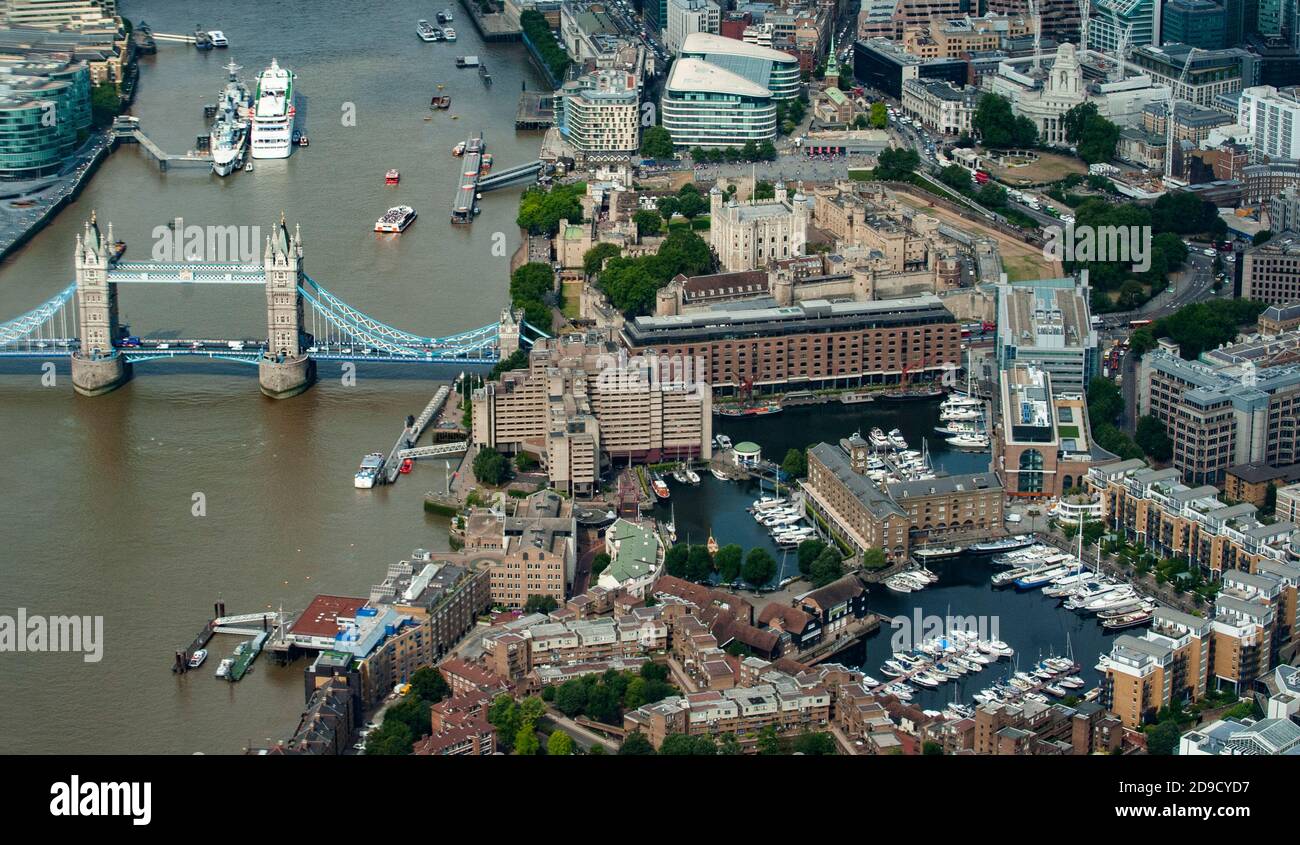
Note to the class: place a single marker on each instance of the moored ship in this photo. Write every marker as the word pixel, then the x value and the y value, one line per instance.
pixel 273 113
pixel 368 472
pixel 425 30
pixel 229 138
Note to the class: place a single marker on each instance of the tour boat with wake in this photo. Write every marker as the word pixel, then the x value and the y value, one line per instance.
pixel 396 219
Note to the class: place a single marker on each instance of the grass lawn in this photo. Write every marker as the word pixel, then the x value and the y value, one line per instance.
pixel 572 291
pixel 1069 431
pixel 1023 267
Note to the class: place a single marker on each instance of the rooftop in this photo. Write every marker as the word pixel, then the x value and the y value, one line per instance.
pixel 699 75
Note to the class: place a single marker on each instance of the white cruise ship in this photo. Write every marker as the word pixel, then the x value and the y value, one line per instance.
pixel 273 113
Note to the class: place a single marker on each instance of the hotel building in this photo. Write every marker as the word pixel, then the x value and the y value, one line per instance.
pixel 580 403
pixel 600 115
pixel 809 342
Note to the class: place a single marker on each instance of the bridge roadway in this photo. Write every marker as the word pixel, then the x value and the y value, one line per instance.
pixel 513 174
pixel 410 434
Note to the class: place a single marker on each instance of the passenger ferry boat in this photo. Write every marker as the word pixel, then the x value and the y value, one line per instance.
pixel 449 33
pixel 273 113
pixel 425 30
pixel 395 219
pixel 392 177
pixel 218 39
pixel 368 472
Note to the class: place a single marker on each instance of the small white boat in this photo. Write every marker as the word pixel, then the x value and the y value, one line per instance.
pixel 223 668
pixel 692 476
pixel 936 552
pixel 898 585
pixel 718 475
pixel 969 442
pixel 197 658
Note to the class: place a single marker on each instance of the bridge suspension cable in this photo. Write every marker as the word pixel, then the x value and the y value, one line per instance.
pixel 53 322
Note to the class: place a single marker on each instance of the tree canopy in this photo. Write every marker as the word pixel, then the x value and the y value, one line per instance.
pixel 656 142
pixel 999 127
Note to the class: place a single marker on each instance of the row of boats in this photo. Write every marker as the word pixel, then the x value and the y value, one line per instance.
pixel 962 422
pixel 783 519
pixel 430 33
pixel 1116 604
pixel 911 580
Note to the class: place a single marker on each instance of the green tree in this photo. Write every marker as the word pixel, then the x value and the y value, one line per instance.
pixel 828 567
pixel 932 749
pixel 635 744
pixel 413 713
pixel 896 164
pixel 503 713
pixel 428 685
pixel 815 744
pixel 1163 739
pixel 768 742
pixel 571 698
pixel 656 142
pixel 675 560
pixel 874 558
pixel 540 604
pixel 879 115
pixel 1153 439
pixel 729 746
pixel 648 223
pixel 594 258
pixel 728 560
pixel 809 551
pixel 795 464
pixel 997 126
pixel 956 176
pixel 391 739
pixel 559 744
pixel 598 564
pixel 526 742
pixel 1270 498
pixel 541 210
pixel 759 568
pixel 105 104
pixel 699 564
pixel 1094 136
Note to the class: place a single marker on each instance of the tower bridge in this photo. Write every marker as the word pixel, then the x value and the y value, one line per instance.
pixel 305 322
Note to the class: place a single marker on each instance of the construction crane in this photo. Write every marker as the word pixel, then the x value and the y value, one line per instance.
pixel 1169 116
pixel 1122 47
pixel 1085 7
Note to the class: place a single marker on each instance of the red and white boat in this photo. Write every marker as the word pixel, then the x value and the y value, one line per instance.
pixel 392 177
pixel 405 466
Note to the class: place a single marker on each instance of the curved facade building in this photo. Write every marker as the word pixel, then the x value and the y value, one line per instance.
pixel 778 72
pixel 706 106
pixel 44 115
pixel 601 115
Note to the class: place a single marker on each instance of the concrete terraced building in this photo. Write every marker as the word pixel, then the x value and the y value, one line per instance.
pixel 579 405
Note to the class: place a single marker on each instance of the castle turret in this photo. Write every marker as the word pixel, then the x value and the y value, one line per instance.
pixel 508 333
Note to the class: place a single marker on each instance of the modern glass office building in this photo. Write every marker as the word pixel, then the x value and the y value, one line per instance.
pixel 44 115
pixel 771 69
pixel 705 105
pixel 1200 23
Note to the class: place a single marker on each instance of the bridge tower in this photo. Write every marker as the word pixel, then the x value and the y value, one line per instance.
pixel 97 366
pixel 508 332
pixel 285 370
